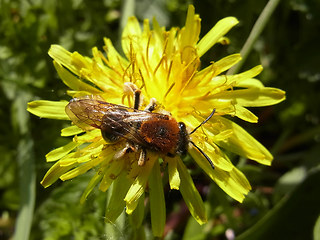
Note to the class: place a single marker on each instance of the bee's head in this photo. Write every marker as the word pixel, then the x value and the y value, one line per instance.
pixel 184 139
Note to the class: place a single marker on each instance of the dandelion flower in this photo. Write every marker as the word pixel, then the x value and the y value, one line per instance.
pixel 164 65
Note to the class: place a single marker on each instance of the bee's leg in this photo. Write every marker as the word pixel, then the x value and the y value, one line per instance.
pixel 137 94
pixel 142 158
pixel 127 149
pixel 128 89
pixel 152 105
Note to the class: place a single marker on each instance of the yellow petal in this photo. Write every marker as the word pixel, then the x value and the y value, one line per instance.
pixel 54 173
pixel 233 182
pixel 72 81
pixel 213 36
pixel 157 202
pixel 84 154
pixel 250 83
pixel 93 182
pixel 77 94
pixel 191 195
pixel 89 136
pixel 48 109
pixel 225 63
pixel 72 61
pixel 190 33
pixel 203 77
pixel 253 97
pixel 138 186
pixel 131 35
pixel 116 203
pixel 135 192
pixel 107 77
pixel 69 159
pixel 216 156
pixel 113 169
pixel 70 131
pixel 245 114
pixel 174 178
pixel 61 151
pixel 158 36
pixel 237 79
pixel 242 143
pixel 115 60
pixel 81 169
pixel 137 216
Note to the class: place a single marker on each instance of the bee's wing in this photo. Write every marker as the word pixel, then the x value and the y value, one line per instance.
pixel 129 123
pixel 87 113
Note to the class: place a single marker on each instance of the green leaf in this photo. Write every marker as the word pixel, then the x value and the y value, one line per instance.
pixel 27 172
pixel 293 217
pixel 61 216
pixel 27 189
pixel 316 230
pixel 194 231
pixel 289 181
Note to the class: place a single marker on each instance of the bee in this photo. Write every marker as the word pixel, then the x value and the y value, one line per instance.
pixel 142 129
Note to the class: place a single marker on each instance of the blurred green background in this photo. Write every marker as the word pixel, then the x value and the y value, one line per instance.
pixel 285 200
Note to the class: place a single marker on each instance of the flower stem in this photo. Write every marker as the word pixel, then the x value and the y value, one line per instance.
pixel 255 33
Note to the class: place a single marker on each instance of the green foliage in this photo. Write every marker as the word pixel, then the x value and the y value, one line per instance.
pixel 288 219
pixel 284 202
pixel 61 216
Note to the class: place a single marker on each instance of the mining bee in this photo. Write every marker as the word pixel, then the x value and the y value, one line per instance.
pixel 142 129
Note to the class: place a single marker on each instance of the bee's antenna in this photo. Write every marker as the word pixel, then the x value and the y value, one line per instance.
pixel 205 155
pixel 211 114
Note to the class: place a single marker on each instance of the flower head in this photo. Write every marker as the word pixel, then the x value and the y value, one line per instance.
pixel 165 66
